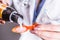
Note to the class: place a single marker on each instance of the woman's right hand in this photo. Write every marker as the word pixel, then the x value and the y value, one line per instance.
pixel 2 21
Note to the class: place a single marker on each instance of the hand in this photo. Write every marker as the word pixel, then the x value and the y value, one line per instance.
pixel 2 22
pixel 4 2
pixel 48 31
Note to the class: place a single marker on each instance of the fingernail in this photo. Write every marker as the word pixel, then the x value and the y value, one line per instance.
pixel 3 22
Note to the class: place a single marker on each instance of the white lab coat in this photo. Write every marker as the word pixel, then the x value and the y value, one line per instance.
pixel 50 12
pixel 26 8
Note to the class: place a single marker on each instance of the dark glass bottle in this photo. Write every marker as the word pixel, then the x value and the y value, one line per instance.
pixel 10 14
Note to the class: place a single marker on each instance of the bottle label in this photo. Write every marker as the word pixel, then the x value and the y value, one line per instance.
pixel 2 7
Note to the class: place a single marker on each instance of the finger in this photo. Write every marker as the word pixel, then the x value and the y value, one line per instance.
pixel 39 34
pixel 48 27
pixel 47 38
pixel 2 22
pixel 46 34
pixel 1 1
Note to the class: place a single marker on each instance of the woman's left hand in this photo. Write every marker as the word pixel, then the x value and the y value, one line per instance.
pixel 47 31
